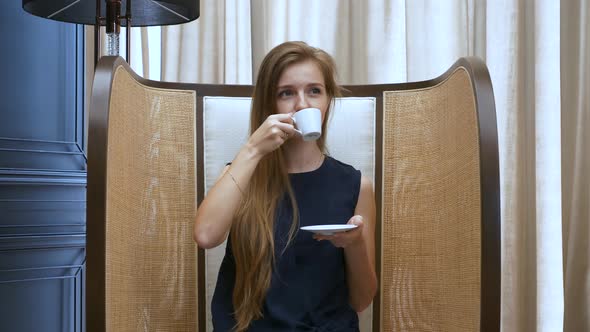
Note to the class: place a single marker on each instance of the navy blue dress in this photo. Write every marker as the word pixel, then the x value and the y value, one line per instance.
pixel 308 290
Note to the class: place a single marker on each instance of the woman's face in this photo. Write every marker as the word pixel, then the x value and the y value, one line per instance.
pixel 302 85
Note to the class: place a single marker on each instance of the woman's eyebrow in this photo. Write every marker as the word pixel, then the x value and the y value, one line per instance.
pixel 308 84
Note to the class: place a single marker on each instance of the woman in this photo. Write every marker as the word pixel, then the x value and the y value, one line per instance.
pixel 275 277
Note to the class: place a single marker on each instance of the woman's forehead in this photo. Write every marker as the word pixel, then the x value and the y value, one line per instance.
pixel 301 73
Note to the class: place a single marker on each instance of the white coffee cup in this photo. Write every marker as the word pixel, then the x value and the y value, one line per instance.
pixel 308 123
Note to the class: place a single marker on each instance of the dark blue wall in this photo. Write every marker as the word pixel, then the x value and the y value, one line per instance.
pixel 42 173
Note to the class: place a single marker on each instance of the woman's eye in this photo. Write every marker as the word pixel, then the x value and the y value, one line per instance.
pixel 285 93
pixel 316 91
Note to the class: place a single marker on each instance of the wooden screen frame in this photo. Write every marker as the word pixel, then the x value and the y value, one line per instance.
pixel 489 180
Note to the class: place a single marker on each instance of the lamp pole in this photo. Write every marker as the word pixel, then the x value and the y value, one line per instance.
pixel 112 23
pixel 98 21
pixel 113 26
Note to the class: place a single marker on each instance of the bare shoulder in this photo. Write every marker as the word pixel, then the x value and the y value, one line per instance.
pixel 366 185
pixel 366 198
pixel 366 202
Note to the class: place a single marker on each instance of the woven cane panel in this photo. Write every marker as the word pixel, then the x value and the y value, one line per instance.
pixel 151 277
pixel 431 209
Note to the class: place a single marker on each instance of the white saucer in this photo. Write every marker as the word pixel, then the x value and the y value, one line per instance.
pixel 328 229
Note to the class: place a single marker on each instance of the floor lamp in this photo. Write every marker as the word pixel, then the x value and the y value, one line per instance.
pixel 109 13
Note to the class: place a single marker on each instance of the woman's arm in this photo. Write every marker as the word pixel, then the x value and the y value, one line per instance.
pixel 360 254
pixel 216 213
pixel 359 249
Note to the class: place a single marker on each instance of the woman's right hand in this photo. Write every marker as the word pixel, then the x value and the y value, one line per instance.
pixel 272 133
pixel 217 211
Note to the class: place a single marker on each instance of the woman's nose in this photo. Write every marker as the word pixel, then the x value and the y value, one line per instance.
pixel 302 102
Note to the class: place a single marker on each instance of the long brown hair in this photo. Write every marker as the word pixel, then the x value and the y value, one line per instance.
pixel 252 235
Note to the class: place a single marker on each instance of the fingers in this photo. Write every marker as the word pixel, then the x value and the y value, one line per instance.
pixel 273 133
pixel 281 132
pixel 281 126
pixel 337 236
pixel 344 239
pixel 282 117
pixel 356 220
pixel 337 239
pixel 326 237
pixel 341 240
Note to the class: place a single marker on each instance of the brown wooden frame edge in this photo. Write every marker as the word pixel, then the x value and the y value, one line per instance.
pixel 491 269
pixel 96 195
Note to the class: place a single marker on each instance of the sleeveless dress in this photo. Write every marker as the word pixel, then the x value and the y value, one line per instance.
pixel 308 290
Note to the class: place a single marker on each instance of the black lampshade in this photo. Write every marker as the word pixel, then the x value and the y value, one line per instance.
pixel 143 12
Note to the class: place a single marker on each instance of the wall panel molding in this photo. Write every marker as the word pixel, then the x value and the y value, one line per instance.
pixel 38 203
pixel 30 279
pixel 42 173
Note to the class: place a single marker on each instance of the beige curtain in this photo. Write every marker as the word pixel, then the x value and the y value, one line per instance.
pixel 523 56
pixel 214 49
pixel 538 56
pixel 575 115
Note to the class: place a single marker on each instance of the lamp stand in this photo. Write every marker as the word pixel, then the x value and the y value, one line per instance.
pixel 112 22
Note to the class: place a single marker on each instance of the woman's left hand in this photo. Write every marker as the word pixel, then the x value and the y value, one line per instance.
pixel 348 238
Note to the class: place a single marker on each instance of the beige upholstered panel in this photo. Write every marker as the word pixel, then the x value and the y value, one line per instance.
pixel 431 209
pixel 351 138
pixel 151 277
pixel 225 130
pixel 351 133
pixel 226 121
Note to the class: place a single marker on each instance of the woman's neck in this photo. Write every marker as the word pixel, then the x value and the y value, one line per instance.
pixel 301 156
